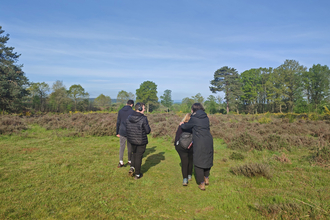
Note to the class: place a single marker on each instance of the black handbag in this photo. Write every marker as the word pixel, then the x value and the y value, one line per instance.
pixel 185 140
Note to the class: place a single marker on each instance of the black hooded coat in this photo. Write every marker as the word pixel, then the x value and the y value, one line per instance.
pixel 137 128
pixel 121 120
pixel 202 139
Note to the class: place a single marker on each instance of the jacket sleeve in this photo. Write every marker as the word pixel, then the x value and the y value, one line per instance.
pixel 146 126
pixel 177 134
pixel 118 123
pixel 188 125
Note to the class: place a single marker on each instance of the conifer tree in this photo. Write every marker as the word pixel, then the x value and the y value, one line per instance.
pixel 13 82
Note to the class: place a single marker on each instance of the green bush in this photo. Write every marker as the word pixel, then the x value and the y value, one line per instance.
pixel 236 156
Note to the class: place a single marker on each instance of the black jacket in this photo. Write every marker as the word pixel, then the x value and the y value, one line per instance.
pixel 121 119
pixel 137 128
pixel 202 139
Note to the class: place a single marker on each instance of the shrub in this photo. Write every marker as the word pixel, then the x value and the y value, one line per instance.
pixel 236 156
pixel 283 158
pixel 321 156
pixel 11 124
pixel 264 120
pixel 252 170
pixel 282 211
pixel 275 142
pixel 245 141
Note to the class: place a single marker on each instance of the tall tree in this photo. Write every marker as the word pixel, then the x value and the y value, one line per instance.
pixel 316 83
pixel 13 82
pixel 147 93
pixel 186 104
pixel 291 73
pixel 59 95
pixel 211 104
pixel 102 101
pixel 251 84
pixel 198 98
pixel 39 90
pixel 77 93
pixel 124 96
pixel 227 80
pixel 166 99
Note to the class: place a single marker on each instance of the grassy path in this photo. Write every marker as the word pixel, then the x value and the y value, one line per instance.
pixel 45 175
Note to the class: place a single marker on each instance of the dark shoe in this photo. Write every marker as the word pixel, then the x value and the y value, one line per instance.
pixel 206 180
pixel 201 186
pixel 129 163
pixel 131 171
pixel 185 182
pixel 189 178
pixel 138 176
pixel 120 165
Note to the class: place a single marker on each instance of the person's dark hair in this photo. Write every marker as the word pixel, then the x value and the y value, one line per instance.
pixel 130 102
pixel 197 106
pixel 139 106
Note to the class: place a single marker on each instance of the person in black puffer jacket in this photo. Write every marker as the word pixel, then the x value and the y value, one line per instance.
pixel 137 128
pixel 202 143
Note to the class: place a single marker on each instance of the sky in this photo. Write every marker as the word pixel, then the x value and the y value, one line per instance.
pixel 111 45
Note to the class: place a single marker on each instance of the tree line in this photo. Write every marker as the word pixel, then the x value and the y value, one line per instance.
pixel 287 88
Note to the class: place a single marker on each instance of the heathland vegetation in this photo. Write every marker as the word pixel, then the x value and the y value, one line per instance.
pixel 64 166
pixel 58 150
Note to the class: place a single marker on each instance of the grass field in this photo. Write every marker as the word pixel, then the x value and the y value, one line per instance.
pixel 45 175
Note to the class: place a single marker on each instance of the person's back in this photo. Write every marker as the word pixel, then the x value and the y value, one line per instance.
pixel 121 119
pixel 202 144
pixel 121 131
pixel 137 128
pixel 186 155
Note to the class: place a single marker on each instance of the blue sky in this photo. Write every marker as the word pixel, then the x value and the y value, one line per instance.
pixel 108 46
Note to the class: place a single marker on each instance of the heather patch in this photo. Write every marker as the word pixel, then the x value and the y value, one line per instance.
pixel 252 170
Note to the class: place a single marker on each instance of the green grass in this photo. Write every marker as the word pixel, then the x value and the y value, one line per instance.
pixel 46 175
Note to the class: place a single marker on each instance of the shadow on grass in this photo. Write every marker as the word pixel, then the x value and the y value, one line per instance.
pixel 152 161
pixel 149 151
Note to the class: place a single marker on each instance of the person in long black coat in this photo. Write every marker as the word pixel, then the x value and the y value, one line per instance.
pixel 202 142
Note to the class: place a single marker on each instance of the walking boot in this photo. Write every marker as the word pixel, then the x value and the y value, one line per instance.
pixel 202 186
pixel 206 180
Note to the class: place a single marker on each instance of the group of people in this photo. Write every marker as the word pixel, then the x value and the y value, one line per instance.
pixel 133 127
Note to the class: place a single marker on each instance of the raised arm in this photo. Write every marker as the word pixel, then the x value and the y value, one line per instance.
pixel 188 125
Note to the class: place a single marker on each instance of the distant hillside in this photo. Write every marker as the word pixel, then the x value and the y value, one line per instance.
pixel 112 100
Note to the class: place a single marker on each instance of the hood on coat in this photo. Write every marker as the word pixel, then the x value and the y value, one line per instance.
pixel 126 108
pixel 135 117
pixel 199 114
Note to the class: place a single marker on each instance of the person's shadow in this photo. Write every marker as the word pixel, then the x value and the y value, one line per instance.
pixel 152 161
pixel 149 151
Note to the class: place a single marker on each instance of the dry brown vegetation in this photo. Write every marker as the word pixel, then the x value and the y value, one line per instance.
pixel 283 158
pixel 252 170
pixel 240 132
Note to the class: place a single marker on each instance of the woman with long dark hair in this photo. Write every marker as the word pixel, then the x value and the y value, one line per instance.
pixel 203 144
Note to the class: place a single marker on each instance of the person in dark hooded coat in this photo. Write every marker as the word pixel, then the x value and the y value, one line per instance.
pixel 202 142
pixel 121 132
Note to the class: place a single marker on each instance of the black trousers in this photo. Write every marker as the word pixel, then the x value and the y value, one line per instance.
pixel 200 173
pixel 137 154
pixel 186 156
